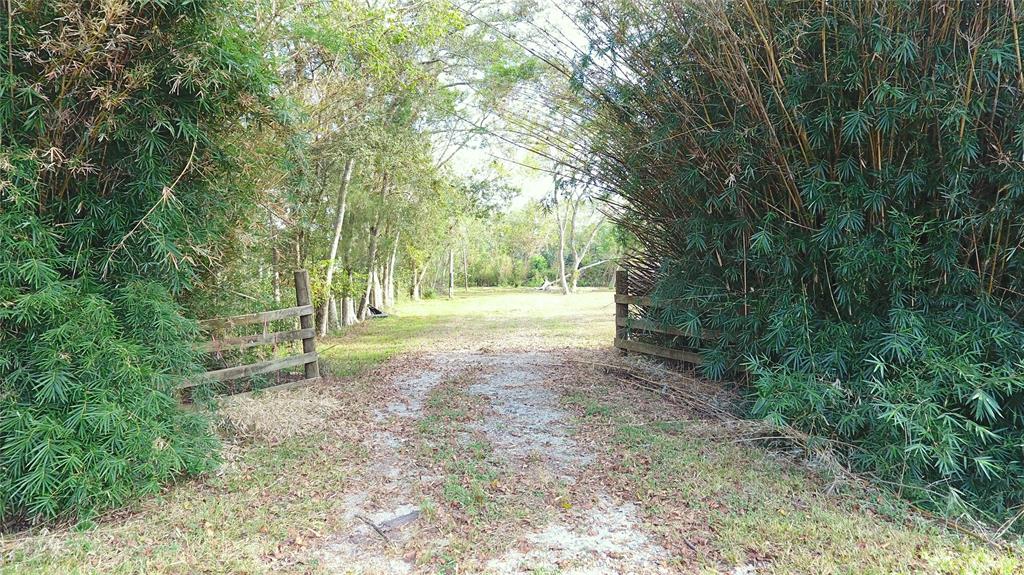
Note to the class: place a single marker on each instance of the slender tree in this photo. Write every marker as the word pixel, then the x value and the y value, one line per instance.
pixel 339 220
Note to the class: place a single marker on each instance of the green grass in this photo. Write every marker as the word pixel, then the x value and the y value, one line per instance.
pixel 469 471
pixel 482 318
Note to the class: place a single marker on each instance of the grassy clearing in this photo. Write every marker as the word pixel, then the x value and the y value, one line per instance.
pixel 480 319
pixel 717 501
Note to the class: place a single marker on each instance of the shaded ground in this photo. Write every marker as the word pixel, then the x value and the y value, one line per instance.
pixel 498 434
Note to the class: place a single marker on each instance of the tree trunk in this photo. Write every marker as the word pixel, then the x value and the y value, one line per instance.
pixel 348 311
pixel 465 265
pixel 332 311
pixel 276 264
pixel 417 276
pixel 378 290
pixel 451 273
pixel 561 247
pixel 579 255
pixel 339 221
pixel 561 269
pixel 389 276
pixel 348 307
pixel 364 304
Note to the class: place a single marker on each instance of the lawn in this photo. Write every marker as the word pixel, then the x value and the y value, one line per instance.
pixel 477 319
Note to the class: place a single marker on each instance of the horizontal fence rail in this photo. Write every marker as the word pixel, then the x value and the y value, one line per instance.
pixel 306 334
pixel 627 326
pixel 657 350
pixel 251 369
pixel 259 317
pixel 247 341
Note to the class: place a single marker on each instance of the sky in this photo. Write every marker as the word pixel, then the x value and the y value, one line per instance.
pixel 513 163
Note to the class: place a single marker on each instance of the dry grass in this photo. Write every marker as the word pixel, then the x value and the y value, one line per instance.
pixel 723 492
pixel 276 416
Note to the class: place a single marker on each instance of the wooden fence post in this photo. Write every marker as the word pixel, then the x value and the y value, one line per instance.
pixel 302 297
pixel 621 309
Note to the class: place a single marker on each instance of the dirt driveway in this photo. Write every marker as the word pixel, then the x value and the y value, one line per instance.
pixel 506 427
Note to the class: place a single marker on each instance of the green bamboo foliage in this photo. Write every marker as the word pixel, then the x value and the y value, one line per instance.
pixel 112 155
pixel 838 188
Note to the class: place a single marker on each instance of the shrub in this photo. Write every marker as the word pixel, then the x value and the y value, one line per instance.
pixel 838 188
pixel 539 270
pixel 114 120
pixel 86 415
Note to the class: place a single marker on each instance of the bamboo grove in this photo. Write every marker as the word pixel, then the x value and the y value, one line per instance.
pixel 116 129
pixel 836 188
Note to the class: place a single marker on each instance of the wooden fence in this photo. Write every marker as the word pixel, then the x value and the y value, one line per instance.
pixel 306 333
pixel 628 326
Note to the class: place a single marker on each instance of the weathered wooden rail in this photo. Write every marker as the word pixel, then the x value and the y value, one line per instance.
pixel 626 326
pixel 307 334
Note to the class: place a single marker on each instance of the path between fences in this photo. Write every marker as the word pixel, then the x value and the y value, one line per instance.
pixel 531 438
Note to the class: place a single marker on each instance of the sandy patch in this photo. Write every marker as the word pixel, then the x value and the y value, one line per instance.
pixel 529 432
pixel 602 540
pixel 526 421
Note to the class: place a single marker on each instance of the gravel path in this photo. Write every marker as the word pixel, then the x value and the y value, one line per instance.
pixel 529 430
